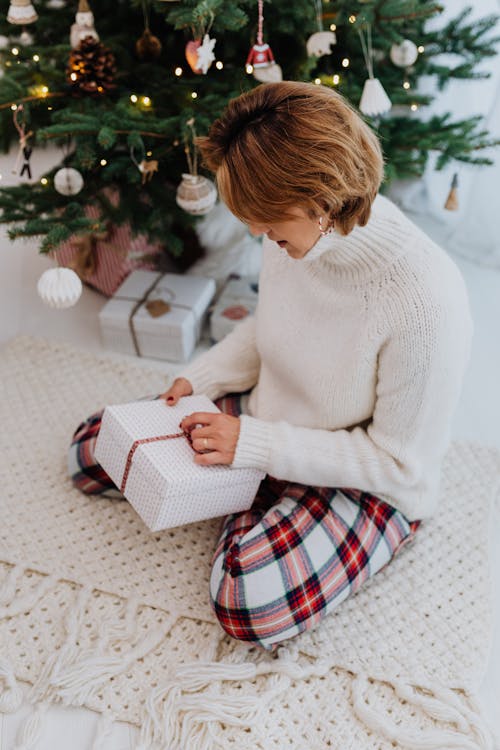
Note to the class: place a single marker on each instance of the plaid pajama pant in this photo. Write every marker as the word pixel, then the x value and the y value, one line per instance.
pixel 282 566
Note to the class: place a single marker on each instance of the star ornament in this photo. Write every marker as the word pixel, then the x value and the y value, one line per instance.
pixel 206 53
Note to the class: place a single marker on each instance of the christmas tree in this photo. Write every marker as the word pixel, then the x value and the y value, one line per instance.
pixel 123 91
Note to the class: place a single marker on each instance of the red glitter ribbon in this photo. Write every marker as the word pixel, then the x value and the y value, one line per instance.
pixel 137 443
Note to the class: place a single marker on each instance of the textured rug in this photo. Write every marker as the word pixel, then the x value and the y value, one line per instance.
pixel 97 611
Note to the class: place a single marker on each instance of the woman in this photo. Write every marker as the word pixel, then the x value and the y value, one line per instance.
pixel 341 387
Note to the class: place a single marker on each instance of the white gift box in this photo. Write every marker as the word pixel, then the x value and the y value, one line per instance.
pixel 236 302
pixel 159 478
pixel 157 315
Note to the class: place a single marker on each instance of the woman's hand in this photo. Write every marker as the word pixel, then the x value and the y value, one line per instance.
pixel 214 434
pixel 180 387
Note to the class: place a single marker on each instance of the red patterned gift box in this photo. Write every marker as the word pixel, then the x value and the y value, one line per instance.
pixel 104 260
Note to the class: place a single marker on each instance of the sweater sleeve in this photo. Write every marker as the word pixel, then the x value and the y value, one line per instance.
pixel 232 365
pixel 420 369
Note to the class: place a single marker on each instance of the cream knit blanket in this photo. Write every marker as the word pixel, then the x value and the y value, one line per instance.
pixel 97 611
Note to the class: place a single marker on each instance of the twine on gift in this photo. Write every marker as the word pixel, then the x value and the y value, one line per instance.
pixel 137 443
pixel 153 311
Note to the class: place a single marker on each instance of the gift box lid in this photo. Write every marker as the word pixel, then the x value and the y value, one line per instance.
pixel 167 464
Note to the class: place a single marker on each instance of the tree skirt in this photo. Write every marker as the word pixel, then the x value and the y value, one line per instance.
pixel 97 611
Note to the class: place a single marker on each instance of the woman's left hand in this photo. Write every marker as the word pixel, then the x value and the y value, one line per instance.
pixel 214 434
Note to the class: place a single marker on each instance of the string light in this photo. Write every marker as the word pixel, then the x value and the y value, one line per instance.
pixel 421 48
pixel 178 71
pixel 352 19
pixel 414 107
pixel 249 68
pixel 13 107
pixel 194 95
pixel 44 181
pixel 406 85
pixel 345 62
pixel 149 153
pixel 133 98
pixel 103 162
pixel 36 58
pixel 73 76
pixel 219 64
pixel 146 101
pixel 317 81
pixel 336 79
pixel 15 51
pixel 333 27
pixel 50 109
pixel 39 91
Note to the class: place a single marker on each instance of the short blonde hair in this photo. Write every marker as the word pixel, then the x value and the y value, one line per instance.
pixel 290 144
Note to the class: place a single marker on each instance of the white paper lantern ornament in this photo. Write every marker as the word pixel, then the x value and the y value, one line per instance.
pixel 405 54
pixel 374 100
pixel 59 287
pixel 68 181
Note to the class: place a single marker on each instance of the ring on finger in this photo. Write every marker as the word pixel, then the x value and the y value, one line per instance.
pixel 205 442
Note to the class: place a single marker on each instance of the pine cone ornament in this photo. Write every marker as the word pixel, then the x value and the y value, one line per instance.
pixel 91 68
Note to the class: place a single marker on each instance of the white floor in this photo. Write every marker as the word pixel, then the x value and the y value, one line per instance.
pixel 477 418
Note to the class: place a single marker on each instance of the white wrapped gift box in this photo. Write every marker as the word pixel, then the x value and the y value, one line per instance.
pixel 157 315
pixel 159 478
pixel 236 302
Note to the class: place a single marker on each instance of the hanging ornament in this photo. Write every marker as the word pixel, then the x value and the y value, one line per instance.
pixel 148 47
pixel 452 199
pixel 59 287
pixel 270 74
pixel 196 194
pixel 68 181
pixel 147 167
pixel 260 58
pixel 25 38
pixel 24 151
pixel 374 100
pixel 200 54
pixel 21 12
pixel 83 26
pixel 91 68
pixel 191 53
pixel 205 53
pixel 405 54
pixel 321 42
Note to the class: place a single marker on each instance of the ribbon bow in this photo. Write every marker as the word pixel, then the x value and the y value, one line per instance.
pixel 85 260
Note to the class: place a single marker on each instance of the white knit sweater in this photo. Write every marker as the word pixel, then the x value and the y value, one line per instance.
pixel 355 358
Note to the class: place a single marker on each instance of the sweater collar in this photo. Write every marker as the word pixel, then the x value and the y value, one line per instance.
pixel 365 251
